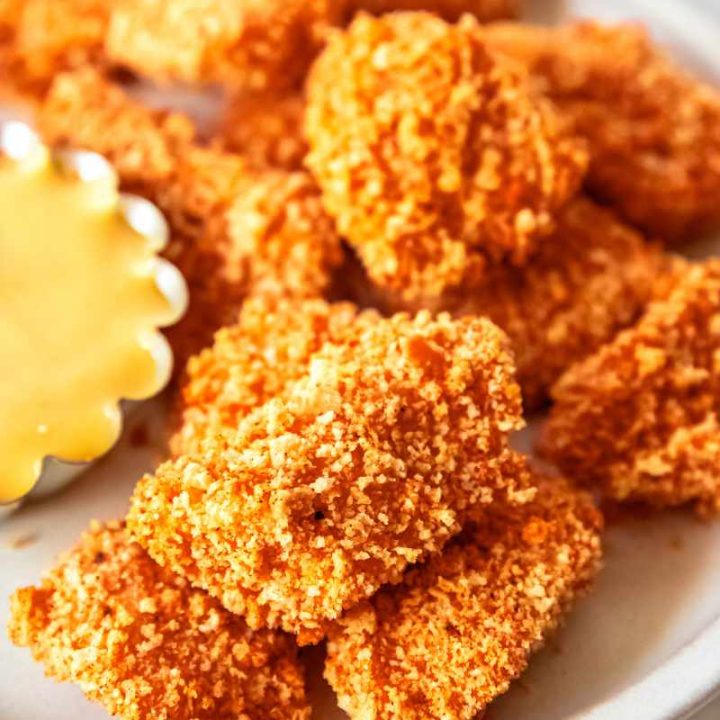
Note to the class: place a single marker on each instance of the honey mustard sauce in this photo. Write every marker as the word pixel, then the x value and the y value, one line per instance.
pixel 80 305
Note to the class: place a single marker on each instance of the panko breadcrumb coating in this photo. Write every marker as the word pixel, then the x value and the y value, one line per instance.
pixel 254 360
pixel 365 465
pixel 53 36
pixel 431 153
pixel 279 225
pixel 591 278
pixel 459 629
pixel 145 645
pixel 653 130
pixel 452 10
pixel 639 419
pixel 266 128
pixel 243 43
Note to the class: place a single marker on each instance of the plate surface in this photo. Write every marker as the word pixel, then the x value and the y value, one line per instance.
pixel 645 645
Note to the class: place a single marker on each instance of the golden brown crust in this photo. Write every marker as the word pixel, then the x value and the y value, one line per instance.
pixel 265 127
pixel 247 43
pixel 653 130
pixel 460 628
pixel 254 360
pixel 144 644
pixel 53 36
pixel 639 419
pixel 279 226
pixel 431 153
pixel 363 466
pixel 591 278
pixel 451 10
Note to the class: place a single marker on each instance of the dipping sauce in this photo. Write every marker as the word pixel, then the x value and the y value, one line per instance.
pixel 79 310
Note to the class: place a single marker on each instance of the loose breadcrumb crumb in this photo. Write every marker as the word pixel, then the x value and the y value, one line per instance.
pixel 265 127
pixel 250 362
pixel 145 645
pixel 639 419
pixel 459 629
pixel 365 465
pixel 248 43
pixel 653 130
pixel 591 278
pixel 431 152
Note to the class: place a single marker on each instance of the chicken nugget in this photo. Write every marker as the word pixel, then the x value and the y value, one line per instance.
pixel 451 10
pixel 365 465
pixel 247 43
pixel 250 362
pixel 265 127
pixel 639 419
pixel 459 629
pixel 431 153
pixel 653 129
pixel 53 36
pixel 591 278
pixel 145 645
pixel 279 226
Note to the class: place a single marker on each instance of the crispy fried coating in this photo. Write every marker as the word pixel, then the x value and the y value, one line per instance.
pixel 431 153
pixel 591 278
pixel 451 10
pixel 145 645
pixel 639 419
pixel 53 35
pixel 247 43
pixel 254 360
pixel 653 130
pixel 459 629
pixel 85 110
pixel 265 127
pixel 365 465
pixel 279 225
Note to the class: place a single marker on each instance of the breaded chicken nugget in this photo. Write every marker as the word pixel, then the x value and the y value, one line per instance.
pixel 10 12
pixel 279 226
pixel 52 36
pixel 365 465
pixel 248 43
pixel 639 419
pixel 265 127
pixel 653 130
pixel 85 110
pixel 451 10
pixel 431 153
pixel 251 362
pixel 591 278
pixel 145 645
pixel 459 629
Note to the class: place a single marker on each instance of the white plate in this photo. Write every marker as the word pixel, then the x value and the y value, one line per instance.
pixel 644 646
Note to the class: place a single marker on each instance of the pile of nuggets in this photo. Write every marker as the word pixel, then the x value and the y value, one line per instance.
pixel 410 223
